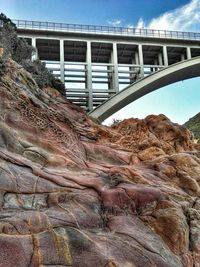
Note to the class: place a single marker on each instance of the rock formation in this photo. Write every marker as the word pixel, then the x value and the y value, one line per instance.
pixel 75 193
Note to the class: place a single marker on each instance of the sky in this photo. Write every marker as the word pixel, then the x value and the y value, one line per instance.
pixel 179 101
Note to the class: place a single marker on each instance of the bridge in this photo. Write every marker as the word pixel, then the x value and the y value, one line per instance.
pixel 179 71
pixel 105 68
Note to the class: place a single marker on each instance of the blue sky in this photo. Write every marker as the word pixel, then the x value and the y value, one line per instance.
pixel 179 101
pixel 88 11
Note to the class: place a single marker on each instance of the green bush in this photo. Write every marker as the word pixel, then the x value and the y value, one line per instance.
pixel 42 76
pixel 194 126
pixel 20 51
pixel 16 48
pixel 2 66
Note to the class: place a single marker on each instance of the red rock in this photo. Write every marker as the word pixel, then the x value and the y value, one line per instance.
pixel 74 193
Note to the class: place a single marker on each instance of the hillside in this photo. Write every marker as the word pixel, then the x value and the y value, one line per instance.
pixel 75 193
pixel 194 126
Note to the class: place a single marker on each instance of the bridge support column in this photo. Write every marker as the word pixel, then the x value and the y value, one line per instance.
pixel 188 53
pixel 182 57
pixel 141 61
pixel 132 69
pixel 156 62
pixel 160 59
pixel 137 63
pixel 114 59
pixel 62 61
pixel 89 75
pixel 35 54
pixel 165 57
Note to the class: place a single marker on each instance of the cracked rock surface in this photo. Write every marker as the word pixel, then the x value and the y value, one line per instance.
pixel 74 193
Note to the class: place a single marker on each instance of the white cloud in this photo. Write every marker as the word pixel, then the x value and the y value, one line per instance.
pixel 140 23
pixel 184 18
pixel 115 22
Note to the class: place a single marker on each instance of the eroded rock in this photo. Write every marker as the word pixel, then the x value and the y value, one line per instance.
pixel 74 193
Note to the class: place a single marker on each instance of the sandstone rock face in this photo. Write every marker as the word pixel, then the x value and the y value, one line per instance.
pixel 74 193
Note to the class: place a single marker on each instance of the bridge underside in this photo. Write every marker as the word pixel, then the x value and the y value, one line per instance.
pixel 94 68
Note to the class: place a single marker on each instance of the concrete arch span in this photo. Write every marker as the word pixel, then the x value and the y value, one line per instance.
pixel 180 71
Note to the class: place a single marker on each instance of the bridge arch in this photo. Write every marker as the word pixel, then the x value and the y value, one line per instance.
pixel 180 71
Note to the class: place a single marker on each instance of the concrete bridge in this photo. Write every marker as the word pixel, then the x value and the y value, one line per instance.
pixel 96 62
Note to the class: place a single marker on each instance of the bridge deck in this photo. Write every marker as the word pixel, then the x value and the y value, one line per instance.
pixel 105 30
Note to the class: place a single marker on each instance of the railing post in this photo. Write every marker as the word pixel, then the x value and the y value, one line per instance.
pixel 165 57
pixel 89 75
pixel 141 61
pixel 188 53
pixel 35 54
pixel 62 61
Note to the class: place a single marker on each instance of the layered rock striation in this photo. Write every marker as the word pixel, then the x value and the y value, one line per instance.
pixel 75 193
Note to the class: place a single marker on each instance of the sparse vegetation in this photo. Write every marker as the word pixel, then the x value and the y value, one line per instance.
pixel 194 126
pixel 2 66
pixel 20 51
pixel 42 76
pixel 16 48
pixel 115 121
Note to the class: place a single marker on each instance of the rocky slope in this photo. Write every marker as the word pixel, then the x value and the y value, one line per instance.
pixel 74 193
pixel 194 126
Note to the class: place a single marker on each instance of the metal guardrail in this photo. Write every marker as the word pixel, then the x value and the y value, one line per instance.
pixel 107 30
